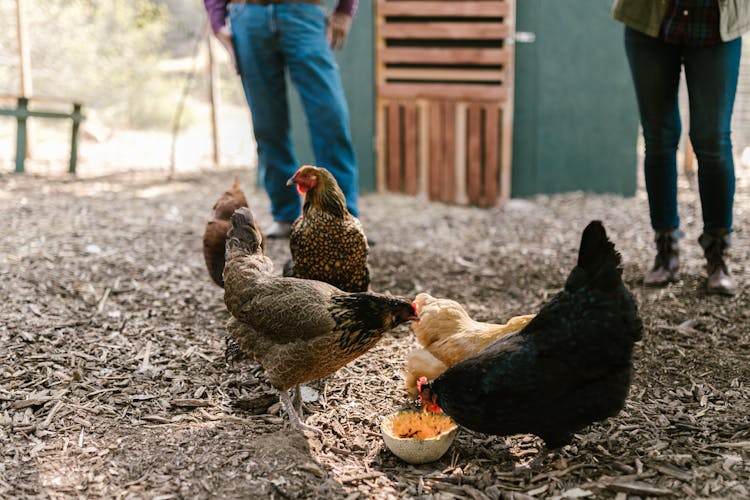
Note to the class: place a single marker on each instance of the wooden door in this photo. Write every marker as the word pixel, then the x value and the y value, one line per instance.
pixel 444 109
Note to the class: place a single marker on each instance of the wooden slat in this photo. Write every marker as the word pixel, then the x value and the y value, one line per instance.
pixel 491 158
pixel 448 184
pixel 436 149
pixel 459 160
pixel 381 109
pixel 382 116
pixel 424 148
pixel 506 118
pixel 506 151
pixel 444 31
pixel 432 55
pixel 394 146
pixel 480 92
pixel 450 8
pixel 488 75
pixel 474 170
pixel 410 148
pixel 447 131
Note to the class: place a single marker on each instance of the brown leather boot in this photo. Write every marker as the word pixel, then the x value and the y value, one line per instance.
pixel 715 244
pixel 667 261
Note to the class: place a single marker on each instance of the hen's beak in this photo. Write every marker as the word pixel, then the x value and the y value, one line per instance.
pixel 292 180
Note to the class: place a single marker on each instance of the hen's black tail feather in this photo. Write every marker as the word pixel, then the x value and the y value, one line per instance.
pixel 596 250
pixel 244 235
pixel 597 259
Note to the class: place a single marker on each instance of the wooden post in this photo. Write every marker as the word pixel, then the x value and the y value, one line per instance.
pixel 23 106
pixel 380 110
pixel 506 125
pixel 214 97
pixel 24 54
pixel 77 117
pixel 24 58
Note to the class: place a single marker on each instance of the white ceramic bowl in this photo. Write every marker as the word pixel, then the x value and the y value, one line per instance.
pixel 418 437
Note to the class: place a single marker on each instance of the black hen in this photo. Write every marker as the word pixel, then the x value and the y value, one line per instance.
pixel 569 367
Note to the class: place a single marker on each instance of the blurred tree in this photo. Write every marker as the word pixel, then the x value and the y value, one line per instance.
pixel 104 53
pixel 188 21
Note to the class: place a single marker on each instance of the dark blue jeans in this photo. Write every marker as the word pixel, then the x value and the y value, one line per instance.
pixel 272 39
pixel 711 74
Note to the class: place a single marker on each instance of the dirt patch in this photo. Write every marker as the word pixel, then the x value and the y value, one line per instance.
pixel 113 382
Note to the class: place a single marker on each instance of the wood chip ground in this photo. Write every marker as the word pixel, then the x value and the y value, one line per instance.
pixel 113 382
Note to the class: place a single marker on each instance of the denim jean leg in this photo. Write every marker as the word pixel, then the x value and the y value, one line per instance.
pixel 315 74
pixel 655 68
pixel 261 64
pixel 712 74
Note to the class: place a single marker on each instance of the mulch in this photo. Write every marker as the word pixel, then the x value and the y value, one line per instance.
pixel 113 381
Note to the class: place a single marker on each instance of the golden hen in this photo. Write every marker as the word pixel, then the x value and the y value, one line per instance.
pixel 327 242
pixel 297 329
pixel 215 234
pixel 449 335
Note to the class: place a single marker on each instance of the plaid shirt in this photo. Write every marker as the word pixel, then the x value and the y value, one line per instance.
pixel 694 23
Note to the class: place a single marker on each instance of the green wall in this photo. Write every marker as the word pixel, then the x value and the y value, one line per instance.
pixel 576 122
pixel 356 61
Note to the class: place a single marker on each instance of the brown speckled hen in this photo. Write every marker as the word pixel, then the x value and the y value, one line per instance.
pixel 327 242
pixel 215 234
pixel 297 329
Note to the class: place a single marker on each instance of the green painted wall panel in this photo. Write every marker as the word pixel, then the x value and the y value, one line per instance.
pixel 576 122
pixel 356 61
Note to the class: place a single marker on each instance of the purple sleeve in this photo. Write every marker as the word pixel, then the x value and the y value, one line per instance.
pixel 217 13
pixel 344 6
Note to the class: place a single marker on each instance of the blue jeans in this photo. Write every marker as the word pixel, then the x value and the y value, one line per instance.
pixel 711 73
pixel 269 39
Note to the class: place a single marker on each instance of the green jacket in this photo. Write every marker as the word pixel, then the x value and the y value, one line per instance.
pixel 646 16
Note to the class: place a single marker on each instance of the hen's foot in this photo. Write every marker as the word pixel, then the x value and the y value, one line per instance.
pixel 294 420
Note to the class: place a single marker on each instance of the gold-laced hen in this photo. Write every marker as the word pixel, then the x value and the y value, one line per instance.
pixel 327 242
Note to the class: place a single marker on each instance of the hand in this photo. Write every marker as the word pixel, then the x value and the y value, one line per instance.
pixel 338 28
pixel 224 35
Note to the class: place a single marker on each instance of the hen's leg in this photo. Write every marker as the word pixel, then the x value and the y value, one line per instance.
pixel 286 402
pixel 297 400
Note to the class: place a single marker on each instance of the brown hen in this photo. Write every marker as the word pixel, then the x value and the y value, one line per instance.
pixel 215 234
pixel 297 329
pixel 327 242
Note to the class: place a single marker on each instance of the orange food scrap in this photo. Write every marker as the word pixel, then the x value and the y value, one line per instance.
pixel 411 424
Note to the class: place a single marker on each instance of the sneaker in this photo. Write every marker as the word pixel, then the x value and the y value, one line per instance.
pixel 279 229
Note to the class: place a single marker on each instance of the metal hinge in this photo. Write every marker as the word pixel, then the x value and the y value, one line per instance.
pixel 521 37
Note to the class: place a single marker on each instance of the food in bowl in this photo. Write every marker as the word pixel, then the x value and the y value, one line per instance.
pixel 418 437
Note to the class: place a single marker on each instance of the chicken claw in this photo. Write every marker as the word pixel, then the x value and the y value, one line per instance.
pixel 286 402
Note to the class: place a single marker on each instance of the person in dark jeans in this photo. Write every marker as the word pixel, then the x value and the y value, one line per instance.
pixel 265 39
pixel 704 37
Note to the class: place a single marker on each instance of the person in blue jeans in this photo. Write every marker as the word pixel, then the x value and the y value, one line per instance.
pixel 266 39
pixel 704 37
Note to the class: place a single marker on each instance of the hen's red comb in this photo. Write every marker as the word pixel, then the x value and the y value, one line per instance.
pixel 414 306
pixel 422 381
